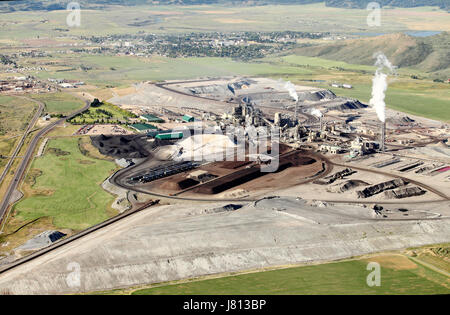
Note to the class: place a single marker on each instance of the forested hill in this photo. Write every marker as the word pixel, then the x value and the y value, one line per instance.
pixel 27 5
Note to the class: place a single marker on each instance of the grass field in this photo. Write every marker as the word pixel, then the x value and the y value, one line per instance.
pixel 15 113
pixel 128 70
pixel 6 147
pixel 59 103
pixel 399 275
pixel 412 101
pixel 106 113
pixel 418 97
pixel 65 185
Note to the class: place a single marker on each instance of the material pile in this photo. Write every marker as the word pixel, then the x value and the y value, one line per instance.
pixel 405 192
pixel 376 189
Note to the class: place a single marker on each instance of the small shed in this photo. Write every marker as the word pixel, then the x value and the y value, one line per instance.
pixel 151 118
pixel 188 118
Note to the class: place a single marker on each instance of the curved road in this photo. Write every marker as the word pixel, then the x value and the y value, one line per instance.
pixel 4 205
pixel 117 179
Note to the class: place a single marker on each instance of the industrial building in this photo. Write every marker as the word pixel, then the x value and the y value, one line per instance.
pixel 169 136
pixel 151 118
pixel 141 128
pixel 188 118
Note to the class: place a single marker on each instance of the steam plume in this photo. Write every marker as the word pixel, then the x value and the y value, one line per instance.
pixel 291 89
pixel 316 113
pixel 380 85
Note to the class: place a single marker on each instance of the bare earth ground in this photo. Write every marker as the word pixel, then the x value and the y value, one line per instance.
pixel 175 242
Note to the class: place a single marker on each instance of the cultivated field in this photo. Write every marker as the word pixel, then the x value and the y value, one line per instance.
pixel 399 275
pixel 174 19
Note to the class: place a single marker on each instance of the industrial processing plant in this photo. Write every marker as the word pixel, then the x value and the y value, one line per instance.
pixel 206 149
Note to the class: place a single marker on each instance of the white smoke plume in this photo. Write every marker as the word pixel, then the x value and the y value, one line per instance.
pixel 317 113
pixel 290 88
pixel 380 85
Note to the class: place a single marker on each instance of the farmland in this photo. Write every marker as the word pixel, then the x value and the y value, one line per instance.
pixel 399 275
pixel 163 19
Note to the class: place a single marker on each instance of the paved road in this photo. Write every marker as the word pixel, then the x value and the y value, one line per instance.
pixel 118 180
pixel 24 136
pixel 4 205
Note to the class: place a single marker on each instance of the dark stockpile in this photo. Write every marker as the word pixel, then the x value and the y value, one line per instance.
pixel 405 193
pixel 129 147
pixel 339 175
pixel 376 189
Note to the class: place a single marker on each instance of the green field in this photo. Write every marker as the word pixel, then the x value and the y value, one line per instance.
pixel 106 113
pixel 65 185
pixel 399 275
pixel 59 103
pixel 418 97
pixel 15 114
pixel 6 147
pixel 129 70
pixel 415 102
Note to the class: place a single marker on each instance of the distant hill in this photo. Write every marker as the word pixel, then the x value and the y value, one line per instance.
pixel 27 5
pixel 443 4
pixel 428 54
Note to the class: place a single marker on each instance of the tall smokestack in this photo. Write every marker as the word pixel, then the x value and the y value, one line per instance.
pixel 296 113
pixel 383 137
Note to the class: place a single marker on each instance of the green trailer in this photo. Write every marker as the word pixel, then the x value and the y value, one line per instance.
pixel 169 136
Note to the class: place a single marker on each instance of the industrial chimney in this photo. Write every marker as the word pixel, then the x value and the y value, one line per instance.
pixel 383 137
